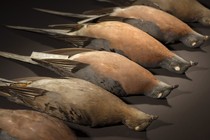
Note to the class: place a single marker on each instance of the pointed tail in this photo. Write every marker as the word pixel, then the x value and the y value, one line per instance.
pixel 87 17
pixel 51 32
pixel 5 82
pixel 92 19
pixel 21 58
pixel 64 14
pixel 19 92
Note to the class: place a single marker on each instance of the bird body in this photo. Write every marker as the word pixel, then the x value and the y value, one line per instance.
pixel 110 71
pixel 157 23
pixel 196 12
pixel 32 125
pixel 76 101
pixel 121 38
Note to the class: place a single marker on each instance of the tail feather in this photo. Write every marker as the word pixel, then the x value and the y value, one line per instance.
pixel 61 34
pixel 64 14
pixel 71 27
pixel 22 92
pixel 87 17
pixel 5 82
pixel 19 92
pixel 21 58
pixel 92 19
pixel 40 30
pixel 2 80
pixel 125 3
pixel 68 34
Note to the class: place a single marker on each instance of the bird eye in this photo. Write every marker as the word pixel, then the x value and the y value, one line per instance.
pixel 177 68
pixel 193 44
pixel 137 128
pixel 160 95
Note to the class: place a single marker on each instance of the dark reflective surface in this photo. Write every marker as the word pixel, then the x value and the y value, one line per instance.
pixel 183 115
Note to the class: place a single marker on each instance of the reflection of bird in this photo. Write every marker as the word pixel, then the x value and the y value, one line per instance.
pixel 196 12
pixel 121 38
pixel 146 18
pixel 74 100
pixel 110 71
pixel 31 125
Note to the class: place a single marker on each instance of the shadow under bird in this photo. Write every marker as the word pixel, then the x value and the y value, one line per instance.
pixel 111 71
pixel 159 24
pixel 74 100
pixel 121 38
pixel 32 125
pixel 186 10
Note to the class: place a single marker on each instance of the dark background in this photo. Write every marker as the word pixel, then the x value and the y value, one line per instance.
pixel 183 115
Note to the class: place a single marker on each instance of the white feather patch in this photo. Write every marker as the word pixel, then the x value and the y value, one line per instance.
pixel 41 55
